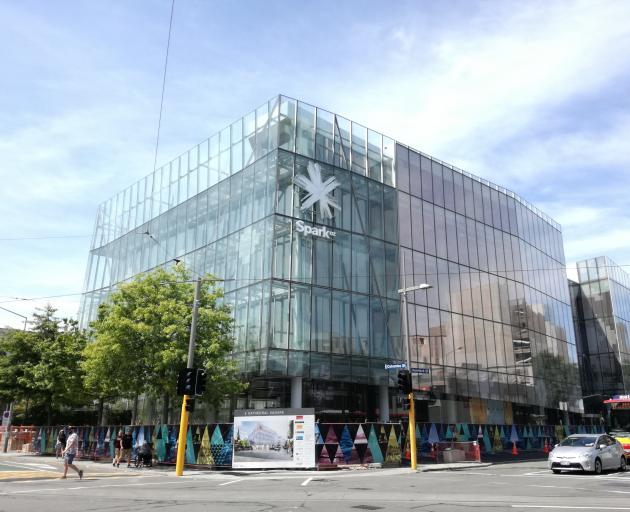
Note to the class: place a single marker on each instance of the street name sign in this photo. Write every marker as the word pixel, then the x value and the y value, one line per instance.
pixel 395 366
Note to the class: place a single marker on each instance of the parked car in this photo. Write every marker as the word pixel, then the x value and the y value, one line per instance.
pixel 587 452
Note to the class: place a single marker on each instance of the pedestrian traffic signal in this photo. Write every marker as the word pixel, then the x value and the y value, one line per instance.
pixel 190 404
pixel 186 381
pixel 200 382
pixel 404 382
pixel 406 403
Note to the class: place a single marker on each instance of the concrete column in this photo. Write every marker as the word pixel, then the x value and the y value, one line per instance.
pixel 383 403
pixel 296 392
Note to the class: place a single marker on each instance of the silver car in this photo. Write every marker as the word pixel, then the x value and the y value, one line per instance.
pixel 587 452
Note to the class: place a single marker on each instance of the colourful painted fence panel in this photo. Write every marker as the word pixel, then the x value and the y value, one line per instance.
pixel 335 443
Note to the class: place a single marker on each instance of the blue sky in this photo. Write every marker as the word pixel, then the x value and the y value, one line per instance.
pixel 530 95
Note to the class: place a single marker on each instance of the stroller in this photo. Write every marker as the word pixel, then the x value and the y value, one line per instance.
pixel 144 457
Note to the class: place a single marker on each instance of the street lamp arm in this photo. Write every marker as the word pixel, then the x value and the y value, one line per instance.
pixel 423 286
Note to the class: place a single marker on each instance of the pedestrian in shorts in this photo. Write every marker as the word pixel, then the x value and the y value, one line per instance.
pixel 69 453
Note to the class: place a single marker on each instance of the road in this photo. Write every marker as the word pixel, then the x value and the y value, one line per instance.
pixel 525 486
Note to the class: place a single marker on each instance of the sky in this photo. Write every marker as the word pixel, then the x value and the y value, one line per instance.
pixel 530 95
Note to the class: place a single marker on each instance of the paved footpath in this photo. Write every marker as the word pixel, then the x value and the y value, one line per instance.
pixel 18 467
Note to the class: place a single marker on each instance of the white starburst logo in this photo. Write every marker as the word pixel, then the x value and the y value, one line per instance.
pixel 318 190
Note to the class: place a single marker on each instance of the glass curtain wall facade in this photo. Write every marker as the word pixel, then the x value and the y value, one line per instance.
pixel 601 309
pixel 325 310
pixel 495 328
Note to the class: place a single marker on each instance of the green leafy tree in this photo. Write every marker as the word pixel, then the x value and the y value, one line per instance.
pixel 43 365
pixel 141 338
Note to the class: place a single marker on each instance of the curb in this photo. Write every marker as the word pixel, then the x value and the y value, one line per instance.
pixel 453 467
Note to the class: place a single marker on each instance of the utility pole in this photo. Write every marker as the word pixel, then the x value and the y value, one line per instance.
pixel 183 423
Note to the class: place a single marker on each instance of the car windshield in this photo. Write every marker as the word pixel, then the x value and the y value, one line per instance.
pixel 578 441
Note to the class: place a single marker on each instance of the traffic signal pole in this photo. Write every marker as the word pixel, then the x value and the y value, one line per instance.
pixel 412 405
pixel 183 422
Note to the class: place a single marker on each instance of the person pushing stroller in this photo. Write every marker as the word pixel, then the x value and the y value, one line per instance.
pixel 144 456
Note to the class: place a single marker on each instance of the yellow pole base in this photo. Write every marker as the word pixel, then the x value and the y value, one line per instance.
pixel 412 432
pixel 181 439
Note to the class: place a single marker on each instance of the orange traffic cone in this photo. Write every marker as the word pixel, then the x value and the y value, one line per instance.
pixel 514 450
pixel 477 453
pixel 546 448
pixel 407 453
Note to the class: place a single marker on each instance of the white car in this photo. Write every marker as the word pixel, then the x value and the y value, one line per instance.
pixel 587 452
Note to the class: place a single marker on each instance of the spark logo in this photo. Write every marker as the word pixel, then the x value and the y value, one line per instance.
pixel 317 190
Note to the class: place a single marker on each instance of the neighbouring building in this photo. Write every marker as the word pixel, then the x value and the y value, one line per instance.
pixel 600 295
pixel 309 218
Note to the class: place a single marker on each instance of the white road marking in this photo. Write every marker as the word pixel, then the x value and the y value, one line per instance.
pixel 459 472
pixel 231 482
pixel 621 492
pixel 31 467
pixel 41 466
pixel 139 484
pixel 36 490
pixel 570 507
pixel 305 482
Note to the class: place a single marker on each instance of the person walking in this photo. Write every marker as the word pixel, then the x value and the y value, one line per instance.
pixel 127 443
pixel 118 448
pixel 69 452
pixel 60 446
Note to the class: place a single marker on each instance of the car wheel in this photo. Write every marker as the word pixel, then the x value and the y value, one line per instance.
pixel 598 467
pixel 556 471
pixel 622 463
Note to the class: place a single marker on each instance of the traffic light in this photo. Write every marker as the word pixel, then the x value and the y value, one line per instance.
pixel 186 381
pixel 404 382
pixel 406 403
pixel 190 404
pixel 200 382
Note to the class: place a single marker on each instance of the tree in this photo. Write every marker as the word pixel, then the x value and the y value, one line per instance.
pixel 43 365
pixel 141 338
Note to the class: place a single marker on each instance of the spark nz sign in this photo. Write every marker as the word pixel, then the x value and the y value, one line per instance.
pixel 320 231
pixel 318 191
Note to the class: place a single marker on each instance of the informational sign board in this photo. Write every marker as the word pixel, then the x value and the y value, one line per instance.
pixel 6 418
pixel 274 438
pixel 423 371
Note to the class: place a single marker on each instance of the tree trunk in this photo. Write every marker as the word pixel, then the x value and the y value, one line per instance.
pixel 134 411
pixel 165 408
pixel 49 412
pixel 101 405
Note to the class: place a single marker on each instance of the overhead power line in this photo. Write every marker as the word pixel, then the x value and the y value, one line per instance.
pixel 168 46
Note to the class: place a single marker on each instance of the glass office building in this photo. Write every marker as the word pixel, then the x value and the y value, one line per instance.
pixel 601 299
pixel 310 219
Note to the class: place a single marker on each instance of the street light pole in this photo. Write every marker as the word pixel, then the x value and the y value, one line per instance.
pixel 412 406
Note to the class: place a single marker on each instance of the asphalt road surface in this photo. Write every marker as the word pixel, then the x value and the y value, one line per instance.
pixel 526 486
